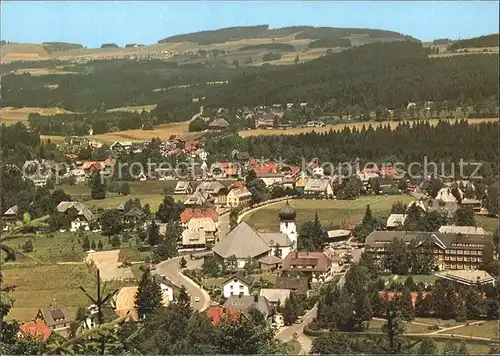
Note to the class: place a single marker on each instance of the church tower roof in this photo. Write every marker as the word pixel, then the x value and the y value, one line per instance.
pixel 287 213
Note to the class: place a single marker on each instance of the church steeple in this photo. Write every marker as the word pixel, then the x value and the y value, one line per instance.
pixel 287 213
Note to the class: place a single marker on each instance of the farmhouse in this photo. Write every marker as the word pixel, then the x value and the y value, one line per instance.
pixel 218 125
pixel 238 197
pixel 78 214
pixel 57 319
pixel 215 189
pixel 451 251
pixel 244 303
pixel 238 284
pixel 184 188
pixel 10 217
pixel 320 188
pixel 313 264
pixel 275 295
pixel 299 285
pixel 200 199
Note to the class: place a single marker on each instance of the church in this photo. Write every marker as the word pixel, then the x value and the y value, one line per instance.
pixel 245 243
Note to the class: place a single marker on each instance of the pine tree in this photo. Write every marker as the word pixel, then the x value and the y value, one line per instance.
pixel 449 348
pixel 93 246
pixel 368 219
pixel 148 297
pixel 406 306
pixel 462 350
pixel 184 300
pixel 153 234
pixel 86 243
pixel 97 187
pixel 420 306
pixel 427 347
pixel 460 312
pixel 99 245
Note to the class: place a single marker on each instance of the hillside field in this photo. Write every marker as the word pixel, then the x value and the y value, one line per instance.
pixel 10 115
pixel 332 213
pixel 339 127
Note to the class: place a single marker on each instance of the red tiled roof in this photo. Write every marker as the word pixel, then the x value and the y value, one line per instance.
pixel 391 295
pixel 36 329
pixel 253 162
pixel 266 168
pixel 92 164
pixel 217 314
pixel 189 213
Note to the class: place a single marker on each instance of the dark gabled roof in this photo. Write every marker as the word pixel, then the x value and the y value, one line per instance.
pixel 55 316
pixel 298 284
pixel 244 303
pixel 135 212
pixel 248 280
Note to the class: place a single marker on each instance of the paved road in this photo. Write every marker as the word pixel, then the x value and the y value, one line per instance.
pixel 286 333
pixel 171 269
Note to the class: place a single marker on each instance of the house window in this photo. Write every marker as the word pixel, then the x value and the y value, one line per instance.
pixel 241 286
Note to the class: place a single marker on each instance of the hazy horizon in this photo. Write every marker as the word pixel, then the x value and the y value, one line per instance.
pixel 96 22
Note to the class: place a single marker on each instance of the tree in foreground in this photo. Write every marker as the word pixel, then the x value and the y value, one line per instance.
pixel 148 297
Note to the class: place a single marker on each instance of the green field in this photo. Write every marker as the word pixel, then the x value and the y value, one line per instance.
pixel 332 213
pixel 62 247
pixel 487 223
pixel 376 326
pixel 149 192
pixel 39 286
pixel 489 329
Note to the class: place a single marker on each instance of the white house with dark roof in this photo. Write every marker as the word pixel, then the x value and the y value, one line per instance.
pixel 237 285
pixel 319 187
pixel 81 219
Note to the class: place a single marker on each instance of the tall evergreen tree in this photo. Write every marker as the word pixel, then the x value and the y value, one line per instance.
pixel 427 347
pixel 97 187
pixel 465 216
pixel 184 300
pixel 406 306
pixel 148 297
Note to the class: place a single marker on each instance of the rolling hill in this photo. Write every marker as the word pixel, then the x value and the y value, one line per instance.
pixel 301 32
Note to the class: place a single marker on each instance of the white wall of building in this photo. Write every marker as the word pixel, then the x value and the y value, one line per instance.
pixel 235 287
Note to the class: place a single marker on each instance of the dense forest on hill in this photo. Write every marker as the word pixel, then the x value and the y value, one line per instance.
pixel 303 32
pixel 218 36
pixel 330 43
pixel 410 142
pixel 492 40
pixel 389 74
pixel 60 46
pixel 334 32
pixel 110 84
pixel 369 76
pixel 81 124
pixel 283 47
